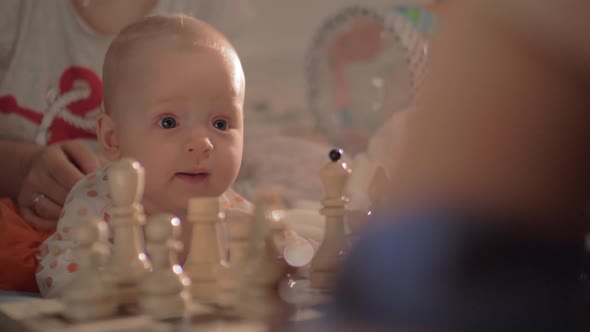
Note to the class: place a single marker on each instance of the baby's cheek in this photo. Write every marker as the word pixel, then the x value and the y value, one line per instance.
pixel 156 183
pixel 230 160
pixel 222 180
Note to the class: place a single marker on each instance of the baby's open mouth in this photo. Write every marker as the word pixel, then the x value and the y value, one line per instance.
pixel 192 177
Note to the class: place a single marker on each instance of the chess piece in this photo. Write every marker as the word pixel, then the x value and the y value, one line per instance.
pixel 128 262
pixel 239 227
pixel 357 219
pixel 206 251
pixel 89 296
pixel 267 214
pixel 377 186
pixel 326 261
pixel 264 267
pixel 164 291
pixel 297 251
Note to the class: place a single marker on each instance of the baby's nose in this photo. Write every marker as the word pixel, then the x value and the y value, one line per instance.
pixel 200 145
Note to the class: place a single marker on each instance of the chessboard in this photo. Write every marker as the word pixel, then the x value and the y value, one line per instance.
pixel 46 315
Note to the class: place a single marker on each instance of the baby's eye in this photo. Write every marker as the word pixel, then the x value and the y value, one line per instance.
pixel 167 122
pixel 220 124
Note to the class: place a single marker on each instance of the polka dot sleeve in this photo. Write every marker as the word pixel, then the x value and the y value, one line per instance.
pixel 232 201
pixel 57 260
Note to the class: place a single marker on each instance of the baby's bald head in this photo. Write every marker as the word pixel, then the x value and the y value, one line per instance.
pixel 174 95
pixel 174 32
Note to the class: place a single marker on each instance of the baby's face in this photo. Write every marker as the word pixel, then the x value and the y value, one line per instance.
pixel 179 113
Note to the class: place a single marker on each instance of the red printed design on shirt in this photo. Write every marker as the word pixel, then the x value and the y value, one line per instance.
pixel 61 129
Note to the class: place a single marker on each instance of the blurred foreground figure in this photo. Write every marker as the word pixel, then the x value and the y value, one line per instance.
pixel 454 271
pixel 503 123
pixel 484 222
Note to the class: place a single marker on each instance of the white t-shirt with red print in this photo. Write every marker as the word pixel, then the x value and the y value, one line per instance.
pixel 90 198
pixel 51 64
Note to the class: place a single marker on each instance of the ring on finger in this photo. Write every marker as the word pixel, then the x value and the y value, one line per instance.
pixel 36 198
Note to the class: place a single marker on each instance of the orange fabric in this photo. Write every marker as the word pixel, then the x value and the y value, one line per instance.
pixel 19 243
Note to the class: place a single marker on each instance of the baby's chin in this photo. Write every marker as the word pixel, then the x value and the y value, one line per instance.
pixel 177 204
pixel 208 189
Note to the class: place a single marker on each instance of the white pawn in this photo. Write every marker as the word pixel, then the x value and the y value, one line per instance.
pixel 329 255
pixel 264 266
pixel 164 292
pixel 88 296
pixel 128 262
pixel 238 227
pixel 206 252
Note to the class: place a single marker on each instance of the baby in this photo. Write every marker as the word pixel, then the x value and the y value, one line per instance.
pixel 173 99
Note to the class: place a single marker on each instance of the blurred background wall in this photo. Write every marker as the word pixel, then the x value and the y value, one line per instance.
pixel 274 43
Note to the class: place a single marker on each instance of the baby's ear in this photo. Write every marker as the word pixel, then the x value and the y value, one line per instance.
pixel 107 136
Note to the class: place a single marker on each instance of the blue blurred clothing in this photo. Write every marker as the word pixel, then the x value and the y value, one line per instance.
pixel 444 270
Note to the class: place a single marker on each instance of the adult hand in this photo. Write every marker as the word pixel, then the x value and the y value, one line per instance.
pixel 54 171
